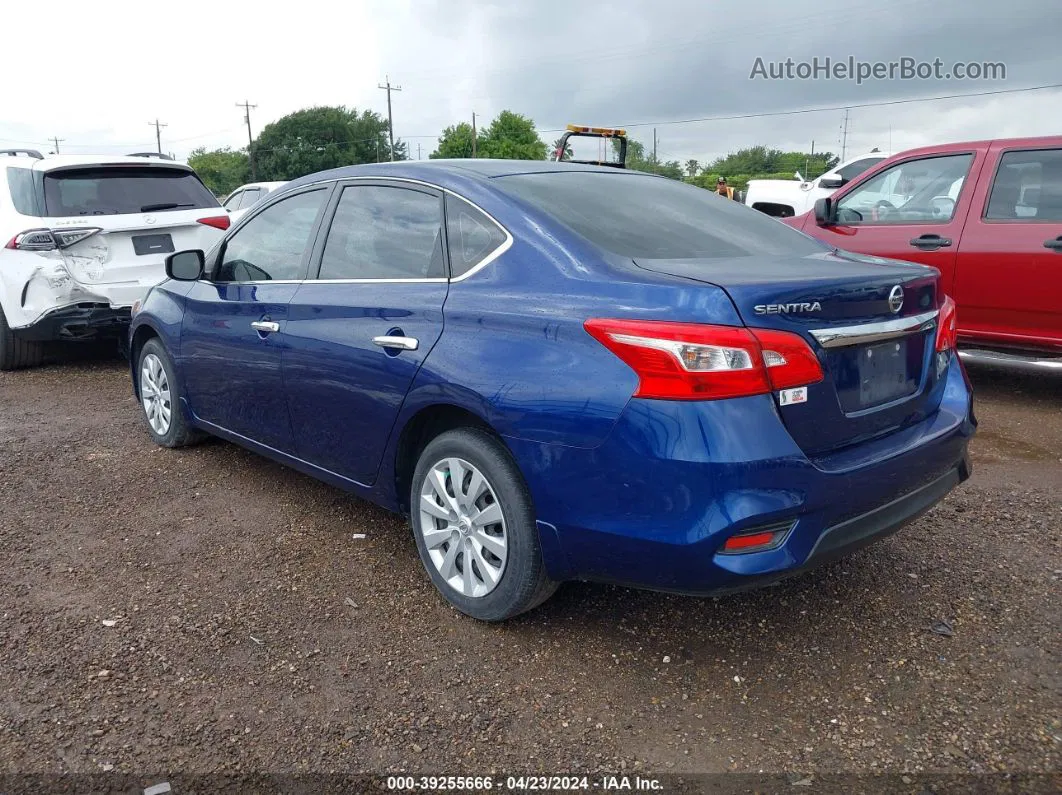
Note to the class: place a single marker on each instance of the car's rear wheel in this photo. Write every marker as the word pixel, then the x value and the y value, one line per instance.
pixel 16 353
pixel 160 399
pixel 475 526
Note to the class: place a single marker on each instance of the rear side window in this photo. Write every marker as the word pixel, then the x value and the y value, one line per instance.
pixel 853 170
pixel 119 190
pixel 271 245
pixel 1027 187
pixel 381 232
pixel 233 202
pixel 23 196
pixel 649 217
pixel 470 234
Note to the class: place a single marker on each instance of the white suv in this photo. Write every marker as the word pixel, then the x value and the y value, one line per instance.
pixel 85 236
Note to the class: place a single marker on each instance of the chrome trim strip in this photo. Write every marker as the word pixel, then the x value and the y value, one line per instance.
pixel 1011 361
pixel 842 336
pixel 471 271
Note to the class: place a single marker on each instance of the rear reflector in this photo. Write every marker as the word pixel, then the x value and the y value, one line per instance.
pixel 691 361
pixel 757 539
pixel 217 221
pixel 947 327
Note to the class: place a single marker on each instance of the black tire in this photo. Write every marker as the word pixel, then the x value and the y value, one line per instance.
pixel 179 433
pixel 16 353
pixel 524 583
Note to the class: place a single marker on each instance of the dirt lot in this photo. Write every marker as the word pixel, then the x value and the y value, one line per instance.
pixel 206 611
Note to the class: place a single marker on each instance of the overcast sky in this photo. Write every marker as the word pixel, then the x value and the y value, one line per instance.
pixel 96 74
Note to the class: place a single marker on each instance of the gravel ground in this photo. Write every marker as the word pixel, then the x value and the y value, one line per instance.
pixel 208 611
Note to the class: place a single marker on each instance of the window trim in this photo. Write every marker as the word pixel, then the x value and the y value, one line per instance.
pixel 866 176
pixel 410 181
pixel 330 184
pixel 261 207
pixel 317 257
pixel 992 184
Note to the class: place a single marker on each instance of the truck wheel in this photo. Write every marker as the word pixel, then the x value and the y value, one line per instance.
pixel 16 353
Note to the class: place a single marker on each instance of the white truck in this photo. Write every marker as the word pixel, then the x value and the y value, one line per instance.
pixel 784 198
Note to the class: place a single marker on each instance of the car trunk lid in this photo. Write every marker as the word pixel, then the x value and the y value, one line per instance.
pixel 871 322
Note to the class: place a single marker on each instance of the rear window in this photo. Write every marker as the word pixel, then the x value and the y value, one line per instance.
pixel 118 190
pixel 655 218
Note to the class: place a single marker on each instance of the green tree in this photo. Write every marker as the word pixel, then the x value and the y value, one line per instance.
pixel 512 137
pixel 222 170
pixel 692 167
pixel 456 141
pixel 319 138
pixel 637 160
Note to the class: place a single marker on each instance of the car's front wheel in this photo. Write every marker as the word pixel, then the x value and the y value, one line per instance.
pixel 475 528
pixel 160 399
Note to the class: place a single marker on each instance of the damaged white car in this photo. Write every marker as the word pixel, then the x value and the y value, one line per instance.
pixel 84 237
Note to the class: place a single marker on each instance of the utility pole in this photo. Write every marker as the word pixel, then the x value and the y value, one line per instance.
pixel 247 106
pixel 386 86
pixel 418 151
pixel 654 144
pixel 158 132
pixel 57 140
pixel 844 136
pixel 377 150
pixel 473 134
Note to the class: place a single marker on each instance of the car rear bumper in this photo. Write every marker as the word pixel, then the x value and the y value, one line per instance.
pixel 79 322
pixel 653 505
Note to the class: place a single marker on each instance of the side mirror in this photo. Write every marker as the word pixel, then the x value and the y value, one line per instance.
pixel 185 266
pixel 825 212
pixel 832 181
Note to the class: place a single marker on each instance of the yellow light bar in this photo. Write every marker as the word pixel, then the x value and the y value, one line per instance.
pixel 606 131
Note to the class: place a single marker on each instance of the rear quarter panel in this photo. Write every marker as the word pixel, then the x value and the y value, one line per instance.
pixel 514 350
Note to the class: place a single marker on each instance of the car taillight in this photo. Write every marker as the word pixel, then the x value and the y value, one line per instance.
pixel 217 221
pixel 947 326
pixel 691 361
pixel 50 239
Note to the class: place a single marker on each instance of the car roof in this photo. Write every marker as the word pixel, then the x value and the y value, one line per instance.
pixel 1046 141
pixel 268 185
pixel 51 162
pixel 440 171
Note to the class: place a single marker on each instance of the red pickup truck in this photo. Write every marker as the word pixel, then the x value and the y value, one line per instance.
pixel 988 215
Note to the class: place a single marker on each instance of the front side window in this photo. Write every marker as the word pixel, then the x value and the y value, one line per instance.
pixel 383 232
pixel 1027 187
pixel 471 236
pixel 916 191
pixel 272 244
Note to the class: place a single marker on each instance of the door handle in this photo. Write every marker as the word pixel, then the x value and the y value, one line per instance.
pixel 265 326
pixel 931 242
pixel 396 343
pixel 1055 244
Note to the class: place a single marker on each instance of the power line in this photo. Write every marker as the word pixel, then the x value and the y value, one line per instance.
pixel 390 122
pixel 250 140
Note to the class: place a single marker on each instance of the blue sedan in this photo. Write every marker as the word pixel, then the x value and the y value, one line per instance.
pixel 565 372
